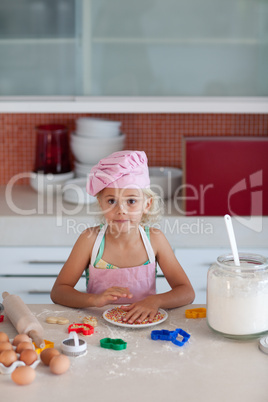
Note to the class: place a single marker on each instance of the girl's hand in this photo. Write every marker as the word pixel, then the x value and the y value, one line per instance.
pixel 146 308
pixel 111 295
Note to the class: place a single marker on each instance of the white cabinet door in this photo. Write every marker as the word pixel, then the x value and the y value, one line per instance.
pixel 195 262
pixel 33 290
pixel 40 49
pixel 30 272
pixel 32 260
pixel 178 48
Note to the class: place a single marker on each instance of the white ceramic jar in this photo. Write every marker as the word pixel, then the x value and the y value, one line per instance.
pixel 237 297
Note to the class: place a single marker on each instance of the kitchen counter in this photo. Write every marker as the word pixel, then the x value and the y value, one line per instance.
pixel 32 219
pixel 207 368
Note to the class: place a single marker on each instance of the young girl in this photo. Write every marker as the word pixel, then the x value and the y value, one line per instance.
pixel 120 256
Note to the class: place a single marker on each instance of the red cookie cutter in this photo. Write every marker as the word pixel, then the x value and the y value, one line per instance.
pixel 196 313
pixel 1 318
pixel 85 329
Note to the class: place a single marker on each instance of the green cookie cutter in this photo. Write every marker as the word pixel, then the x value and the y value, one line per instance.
pixel 116 344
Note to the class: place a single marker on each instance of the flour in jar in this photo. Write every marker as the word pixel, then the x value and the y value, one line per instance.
pixel 237 309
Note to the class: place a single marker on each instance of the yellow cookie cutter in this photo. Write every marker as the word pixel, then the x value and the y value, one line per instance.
pixel 48 344
pixel 196 313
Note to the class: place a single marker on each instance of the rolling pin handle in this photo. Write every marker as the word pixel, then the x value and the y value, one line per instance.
pixel 38 340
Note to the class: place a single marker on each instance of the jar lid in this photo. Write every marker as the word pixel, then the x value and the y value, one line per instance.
pixel 263 344
pixel 249 262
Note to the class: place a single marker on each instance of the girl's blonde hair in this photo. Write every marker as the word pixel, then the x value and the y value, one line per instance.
pixel 153 215
pixel 157 208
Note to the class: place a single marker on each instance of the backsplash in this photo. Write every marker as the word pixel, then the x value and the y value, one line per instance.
pixel 159 135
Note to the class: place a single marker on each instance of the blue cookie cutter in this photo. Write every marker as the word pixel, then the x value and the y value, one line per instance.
pixel 165 335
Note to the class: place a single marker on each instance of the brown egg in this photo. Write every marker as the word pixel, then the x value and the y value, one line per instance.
pixel 23 375
pixel 59 364
pixel 28 356
pixel 47 354
pixel 24 345
pixel 20 338
pixel 7 357
pixel 5 346
pixel 3 337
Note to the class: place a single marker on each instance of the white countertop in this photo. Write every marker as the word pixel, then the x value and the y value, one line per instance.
pixel 31 219
pixel 207 368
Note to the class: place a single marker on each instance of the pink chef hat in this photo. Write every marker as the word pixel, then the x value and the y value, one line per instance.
pixel 123 169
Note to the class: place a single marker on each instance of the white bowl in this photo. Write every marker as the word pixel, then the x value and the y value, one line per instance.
pixel 42 183
pixel 92 127
pixel 165 180
pixel 74 191
pixel 91 150
pixel 81 169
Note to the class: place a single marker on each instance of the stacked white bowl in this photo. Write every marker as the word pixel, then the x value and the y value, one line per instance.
pixel 92 127
pixel 82 169
pixel 93 140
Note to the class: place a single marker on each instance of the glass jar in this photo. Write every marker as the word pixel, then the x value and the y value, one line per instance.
pixel 52 149
pixel 237 296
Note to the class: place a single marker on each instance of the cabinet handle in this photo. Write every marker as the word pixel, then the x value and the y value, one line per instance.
pixel 45 262
pixel 38 292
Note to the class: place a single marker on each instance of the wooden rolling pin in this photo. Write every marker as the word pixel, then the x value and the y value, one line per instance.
pixel 23 319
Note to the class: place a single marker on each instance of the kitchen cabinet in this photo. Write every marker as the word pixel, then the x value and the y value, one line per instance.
pixel 30 272
pixel 38 48
pixel 125 48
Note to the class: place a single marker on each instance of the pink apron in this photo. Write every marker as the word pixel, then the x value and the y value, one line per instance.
pixel 140 280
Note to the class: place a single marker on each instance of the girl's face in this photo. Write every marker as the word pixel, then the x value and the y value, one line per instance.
pixel 123 208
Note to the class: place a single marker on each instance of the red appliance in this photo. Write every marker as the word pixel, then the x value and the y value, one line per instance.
pixel 225 175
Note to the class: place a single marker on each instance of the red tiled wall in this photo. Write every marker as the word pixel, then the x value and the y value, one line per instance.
pixel 159 135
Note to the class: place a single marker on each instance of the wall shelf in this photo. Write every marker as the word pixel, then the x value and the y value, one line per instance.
pixel 229 105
